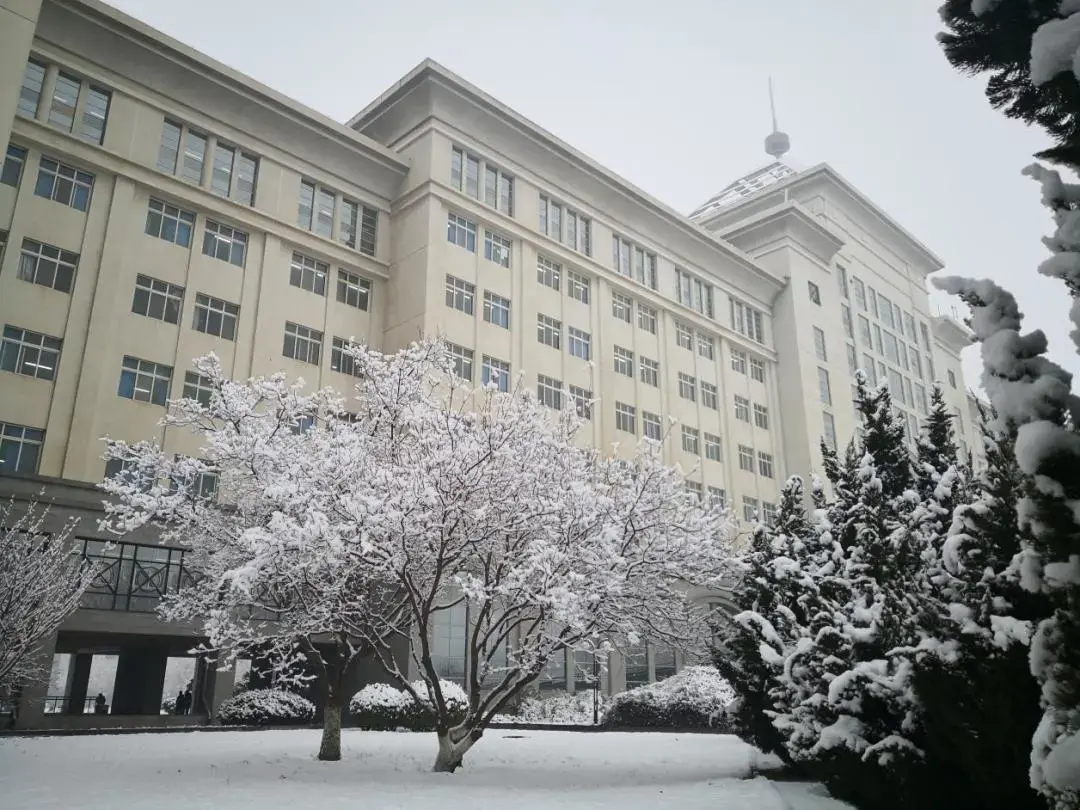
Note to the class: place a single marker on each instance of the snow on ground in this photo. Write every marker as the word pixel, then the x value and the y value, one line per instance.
pixel 266 770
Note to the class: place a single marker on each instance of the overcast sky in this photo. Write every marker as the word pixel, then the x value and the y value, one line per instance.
pixel 673 96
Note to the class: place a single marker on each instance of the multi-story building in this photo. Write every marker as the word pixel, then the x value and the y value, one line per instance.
pixel 156 205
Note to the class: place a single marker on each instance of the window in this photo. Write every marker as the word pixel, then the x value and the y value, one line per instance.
pixel 47 265
pixel 691 441
pixel 845 316
pixel 577 233
pixel 463 361
pixel 765 464
pixel 920 398
pixel 646 318
pixel 892 349
pixel 873 301
pixel 746 458
pixel 621 306
pixel 757 370
pixel 305 211
pixel 460 295
pixel 582 401
pixel 465 174
pixel 706 346
pixel 650 423
pixel 324 212
pixel 742 408
pixel 814 292
pixel 30 92
pixel 157 299
pixel 497 248
pixel 20 448
pixel 842 280
pixel 750 509
pixel 712 447
pixel 247 168
pixel 30 353
pixel 819 345
pixel 232 174
pixel 353 290
pixel 860 293
pixel 95 113
pixel 169 223
pixel 694 488
pixel 340 360
pixel 925 335
pixel 65 98
pixel 198 388
pixel 496 309
pixel 308 274
pixel 348 219
pixel 909 327
pixel 144 381
pixel 625 418
pixel 852 358
pixel 710 396
pixel 828 425
pixel 684 337
pixel 302 343
pixel 761 416
pixel 870 369
pixel 865 334
pixel 896 386
pixel 497 372
pixel 577 286
pixel 824 391
pixel 461 232
pixel 624 361
pixel 694 293
pixel 548 272
pixel 549 332
pixel 549 391
pixel 221 169
pixel 886 311
pixel 738 361
pixel 650 371
pixel 768 513
pixel 952 378
pixel 215 316
pixel 718 497
pixel 916 361
pixel 747 321
pixel 877 339
pixel 191 166
pixel 633 261
pixel 13 165
pixel 579 343
pixel 169 148
pixel 909 395
pixel 687 387
pixel 225 243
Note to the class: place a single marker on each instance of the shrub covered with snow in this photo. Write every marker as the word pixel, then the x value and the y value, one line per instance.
pixel 559 709
pixel 694 698
pixel 382 707
pixel 266 707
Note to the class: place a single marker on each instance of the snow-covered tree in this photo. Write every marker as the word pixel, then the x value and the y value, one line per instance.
pixel 489 505
pixel 277 575
pixel 935 449
pixel 772 595
pixel 1032 397
pixel 42 579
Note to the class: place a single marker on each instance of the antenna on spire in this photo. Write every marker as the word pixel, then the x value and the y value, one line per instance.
pixel 777 143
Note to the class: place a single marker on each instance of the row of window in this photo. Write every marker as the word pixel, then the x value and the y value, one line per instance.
pixel 56 181
pixel 357 223
pixel 183 151
pixel 570 228
pixel 76 106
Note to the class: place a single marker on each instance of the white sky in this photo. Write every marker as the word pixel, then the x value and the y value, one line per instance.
pixel 673 96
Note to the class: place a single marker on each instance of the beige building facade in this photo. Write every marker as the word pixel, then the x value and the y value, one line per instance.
pixel 156 205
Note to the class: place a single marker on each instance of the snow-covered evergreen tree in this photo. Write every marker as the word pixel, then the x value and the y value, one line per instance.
pixel 936 450
pixel 1032 396
pixel 772 596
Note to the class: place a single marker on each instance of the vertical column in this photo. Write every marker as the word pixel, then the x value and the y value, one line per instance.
pixel 18 20
pixel 30 710
pixel 140 677
pixel 78 682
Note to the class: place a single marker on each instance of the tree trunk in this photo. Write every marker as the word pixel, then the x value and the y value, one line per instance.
pixel 448 759
pixel 330 748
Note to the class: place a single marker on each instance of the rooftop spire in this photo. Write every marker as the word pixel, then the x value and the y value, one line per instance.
pixel 777 143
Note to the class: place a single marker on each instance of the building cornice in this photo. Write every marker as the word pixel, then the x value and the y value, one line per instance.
pixel 105 16
pixel 386 115
pixel 950 333
pixel 788 220
pixel 824 175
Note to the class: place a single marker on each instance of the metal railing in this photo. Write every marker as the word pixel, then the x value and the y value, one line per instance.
pixel 133 577
pixel 57 704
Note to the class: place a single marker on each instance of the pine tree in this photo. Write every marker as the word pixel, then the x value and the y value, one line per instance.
pixel 936 450
pixel 771 595
pixel 995 36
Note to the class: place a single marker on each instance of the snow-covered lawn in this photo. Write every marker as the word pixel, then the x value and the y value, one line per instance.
pixel 264 770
